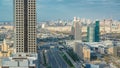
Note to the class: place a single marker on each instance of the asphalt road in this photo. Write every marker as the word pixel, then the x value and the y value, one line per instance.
pixel 40 60
pixel 55 60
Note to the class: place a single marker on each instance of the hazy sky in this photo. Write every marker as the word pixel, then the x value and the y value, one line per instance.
pixel 67 9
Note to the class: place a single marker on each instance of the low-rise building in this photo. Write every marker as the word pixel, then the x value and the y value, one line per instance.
pixel 117 51
pixel 110 50
pixel 20 62
pixel 101 50
pixel 5 50
pixel 83 51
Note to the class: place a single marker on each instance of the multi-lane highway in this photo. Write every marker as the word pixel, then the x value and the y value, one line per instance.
pixel 53 57
pixel 40 61
pixel 55 60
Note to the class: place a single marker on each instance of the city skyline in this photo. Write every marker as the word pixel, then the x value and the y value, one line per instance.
pixel 59 34
pixel 67 9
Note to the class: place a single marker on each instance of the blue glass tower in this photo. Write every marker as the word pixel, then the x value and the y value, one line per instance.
pixel 97 31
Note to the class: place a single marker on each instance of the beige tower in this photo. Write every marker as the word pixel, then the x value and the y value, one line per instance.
pixel 77 29
pixel 25 26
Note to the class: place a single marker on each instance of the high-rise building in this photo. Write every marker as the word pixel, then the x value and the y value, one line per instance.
pixel 97 31
pixel 90 33
pixel 77 29
pixel 72 32
pixel 93 32
pixel 25 26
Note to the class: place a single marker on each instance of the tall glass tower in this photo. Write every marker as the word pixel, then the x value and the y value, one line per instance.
pixel 91 33
pixel 97 31
pixel 25 26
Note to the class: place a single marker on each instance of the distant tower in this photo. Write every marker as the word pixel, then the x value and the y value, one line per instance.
pixel 91 33
pixel 97 31
pixel 43 26
pixel 72 31
pixel 111 25
pixel 25 26
pixel 78 27
pixel 104 29
pixel 75 19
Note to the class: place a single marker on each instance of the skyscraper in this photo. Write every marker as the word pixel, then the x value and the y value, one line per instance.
pixel 97 31
pixel 91 33
pixel 25 26
pixel 77 28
